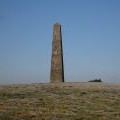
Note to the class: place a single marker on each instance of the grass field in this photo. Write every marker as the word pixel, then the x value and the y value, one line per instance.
pixel 63 101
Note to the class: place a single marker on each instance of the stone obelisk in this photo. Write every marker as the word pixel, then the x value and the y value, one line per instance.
pixel 57 67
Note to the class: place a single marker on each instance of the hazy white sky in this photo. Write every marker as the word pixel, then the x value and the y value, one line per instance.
pixel 91 39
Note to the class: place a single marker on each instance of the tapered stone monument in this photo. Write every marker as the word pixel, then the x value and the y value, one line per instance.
pixel 57 67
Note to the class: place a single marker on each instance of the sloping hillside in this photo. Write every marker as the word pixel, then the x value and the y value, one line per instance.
pixel 66 101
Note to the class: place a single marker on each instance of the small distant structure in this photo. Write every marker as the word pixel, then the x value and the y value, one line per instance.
pixel 57 68
pixel 95 80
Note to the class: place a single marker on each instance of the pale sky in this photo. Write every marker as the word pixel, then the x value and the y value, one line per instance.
pixel 91 39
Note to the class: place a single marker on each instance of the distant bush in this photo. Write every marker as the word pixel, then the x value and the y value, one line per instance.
pixel 96 80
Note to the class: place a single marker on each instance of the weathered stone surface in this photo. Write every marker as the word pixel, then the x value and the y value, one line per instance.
pixel 57 68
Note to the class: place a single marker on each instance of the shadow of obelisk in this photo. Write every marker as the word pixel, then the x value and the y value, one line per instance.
pixel 57 68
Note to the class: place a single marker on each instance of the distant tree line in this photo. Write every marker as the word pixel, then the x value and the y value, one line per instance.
pixel 96 80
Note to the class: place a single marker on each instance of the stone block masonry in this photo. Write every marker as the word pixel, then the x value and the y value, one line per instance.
pixel 57 67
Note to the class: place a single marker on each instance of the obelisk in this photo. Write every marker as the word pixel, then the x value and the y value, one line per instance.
pixel 57 67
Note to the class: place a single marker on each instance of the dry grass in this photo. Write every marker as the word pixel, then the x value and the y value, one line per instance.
pixel 68 101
